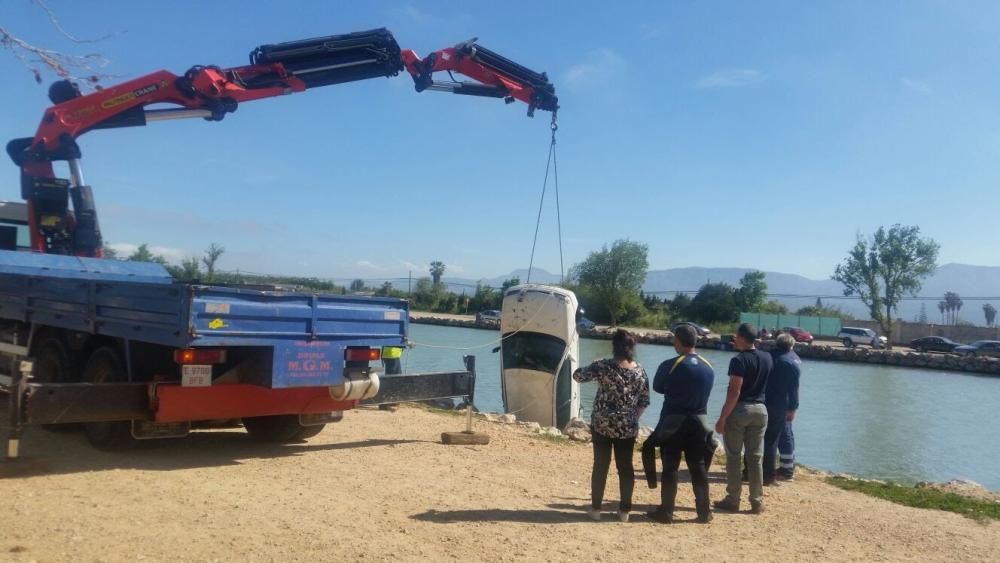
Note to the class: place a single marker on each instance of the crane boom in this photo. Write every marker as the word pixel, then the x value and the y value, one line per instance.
pixel 211 92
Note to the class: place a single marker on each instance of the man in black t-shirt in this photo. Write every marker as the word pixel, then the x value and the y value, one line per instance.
pixel 744 420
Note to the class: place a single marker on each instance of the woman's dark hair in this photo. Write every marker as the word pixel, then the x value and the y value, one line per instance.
pixel 623 345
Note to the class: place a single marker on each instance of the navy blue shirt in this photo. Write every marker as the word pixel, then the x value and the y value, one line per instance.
pixel 754 367
pixel 783 385
pixel 686 382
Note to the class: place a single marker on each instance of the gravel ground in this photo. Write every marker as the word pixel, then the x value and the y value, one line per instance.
pixel 380 486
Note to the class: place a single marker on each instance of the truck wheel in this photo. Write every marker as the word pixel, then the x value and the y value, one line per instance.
pixel 52 365
pixel 105 366
pixel 279 429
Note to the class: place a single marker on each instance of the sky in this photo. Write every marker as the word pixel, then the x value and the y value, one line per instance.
pixel 764 135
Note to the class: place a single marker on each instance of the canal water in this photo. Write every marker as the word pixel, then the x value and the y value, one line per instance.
pixel 879 422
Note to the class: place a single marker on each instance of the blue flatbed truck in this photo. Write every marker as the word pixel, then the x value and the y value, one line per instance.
pixel 132 354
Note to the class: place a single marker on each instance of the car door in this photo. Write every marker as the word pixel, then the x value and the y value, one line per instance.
pixel 992 349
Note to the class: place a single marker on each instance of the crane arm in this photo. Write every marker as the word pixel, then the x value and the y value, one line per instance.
pixel 211 92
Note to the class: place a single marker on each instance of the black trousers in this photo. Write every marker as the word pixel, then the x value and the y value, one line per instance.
pixel 690 440
pixel 623 449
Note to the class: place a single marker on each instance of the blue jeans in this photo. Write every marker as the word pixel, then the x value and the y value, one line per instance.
pixel 786 450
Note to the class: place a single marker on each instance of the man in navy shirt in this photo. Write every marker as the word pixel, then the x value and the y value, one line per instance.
pixel 782 401
pixel 744 419
pixel 686 382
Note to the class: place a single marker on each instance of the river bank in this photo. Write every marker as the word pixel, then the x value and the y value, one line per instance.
pixel 379 486
pixel 819 350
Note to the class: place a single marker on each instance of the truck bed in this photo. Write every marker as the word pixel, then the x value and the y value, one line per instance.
pixel 141 302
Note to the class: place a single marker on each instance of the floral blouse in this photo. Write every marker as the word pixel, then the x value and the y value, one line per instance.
pixel 621 394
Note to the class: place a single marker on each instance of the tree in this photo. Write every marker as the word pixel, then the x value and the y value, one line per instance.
pixel 991 314
pixel 752 292
pixel 143 254
pixel 212 254
pixel 612 275
pixel 715 302
pixel 832 311
pixel 357 285
pixel 942 306
pixel 773 307
pixel 952 304
pixel 922 317
pixel 819 303
pixel 385 290
pixel 437 270
pixel 110 253
pixel 188 271
pixel 509 283
pixel 884 268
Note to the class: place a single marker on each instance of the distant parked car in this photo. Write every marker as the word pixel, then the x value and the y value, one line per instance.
pixel 934 344
pixel 799 334
pixel 699 330
pixel 488 316
pixel 583 323
pixel 980 348
pixel 851 337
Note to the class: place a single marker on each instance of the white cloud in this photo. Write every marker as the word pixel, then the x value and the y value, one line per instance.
pixel 601 66
pixel 730 78
pixel 172 255
pixel 915 85
pixel 410 265
pixel 369 265
pixel 454 269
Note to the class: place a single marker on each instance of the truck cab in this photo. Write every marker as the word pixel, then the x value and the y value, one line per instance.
pixel 14 226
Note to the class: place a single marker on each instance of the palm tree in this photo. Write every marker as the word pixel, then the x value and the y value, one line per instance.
pixel 437 270
pixel 991 314
pixel 952 305
pixel 941 307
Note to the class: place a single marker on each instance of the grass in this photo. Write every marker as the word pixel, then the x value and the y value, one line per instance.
pixel 980 510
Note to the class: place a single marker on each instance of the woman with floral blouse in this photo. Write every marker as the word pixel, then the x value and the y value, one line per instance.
pixel 622 395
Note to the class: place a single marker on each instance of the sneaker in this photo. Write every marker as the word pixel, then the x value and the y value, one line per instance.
pixel 704 519
pixel 661 517
pixel 623 516
pixel 756 507
pixel 784 477
pixel 594 514
pixel 727 505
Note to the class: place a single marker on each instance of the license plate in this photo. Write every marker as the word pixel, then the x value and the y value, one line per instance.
pixel 196 376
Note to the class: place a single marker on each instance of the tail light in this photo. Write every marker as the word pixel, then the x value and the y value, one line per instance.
pixel 362 354
pixel 199 356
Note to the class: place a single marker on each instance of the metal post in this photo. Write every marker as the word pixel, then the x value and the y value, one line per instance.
pixel 75 172
pixel 21 374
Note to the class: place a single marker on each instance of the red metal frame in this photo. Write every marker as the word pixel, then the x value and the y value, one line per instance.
pixel 180 404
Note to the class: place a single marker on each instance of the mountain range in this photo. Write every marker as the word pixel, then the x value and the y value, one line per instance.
pixel 976 285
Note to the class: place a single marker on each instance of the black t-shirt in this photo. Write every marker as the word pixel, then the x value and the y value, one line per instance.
pixel 686 383
pixel 754 367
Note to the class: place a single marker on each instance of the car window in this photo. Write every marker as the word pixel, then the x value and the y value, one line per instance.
pixel 531 350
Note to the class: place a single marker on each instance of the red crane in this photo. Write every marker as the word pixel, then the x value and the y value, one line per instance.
pixel 211 92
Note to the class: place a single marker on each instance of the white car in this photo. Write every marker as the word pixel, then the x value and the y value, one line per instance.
pixel 851 337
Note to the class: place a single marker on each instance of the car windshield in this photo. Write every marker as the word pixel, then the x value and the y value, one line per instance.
pixel 533 350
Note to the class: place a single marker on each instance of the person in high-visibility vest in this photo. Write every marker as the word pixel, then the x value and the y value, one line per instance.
pixel 392 357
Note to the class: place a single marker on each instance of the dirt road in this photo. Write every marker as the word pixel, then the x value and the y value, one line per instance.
pixel 379 486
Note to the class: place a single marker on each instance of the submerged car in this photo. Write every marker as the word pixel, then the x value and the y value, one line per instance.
pixel 980 348
pixel 583 323
pixel 934 344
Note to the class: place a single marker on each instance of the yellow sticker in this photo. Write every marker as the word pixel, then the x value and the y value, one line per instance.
pixel 216 324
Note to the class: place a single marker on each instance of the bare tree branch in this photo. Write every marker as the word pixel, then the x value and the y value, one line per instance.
pixel 83 69
pixel 62 30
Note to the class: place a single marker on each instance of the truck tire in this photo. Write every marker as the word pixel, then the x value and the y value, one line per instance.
pixel 106 366
pixel 279 429
pixel 53 365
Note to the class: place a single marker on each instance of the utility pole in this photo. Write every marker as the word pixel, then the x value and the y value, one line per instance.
pixel 409 281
